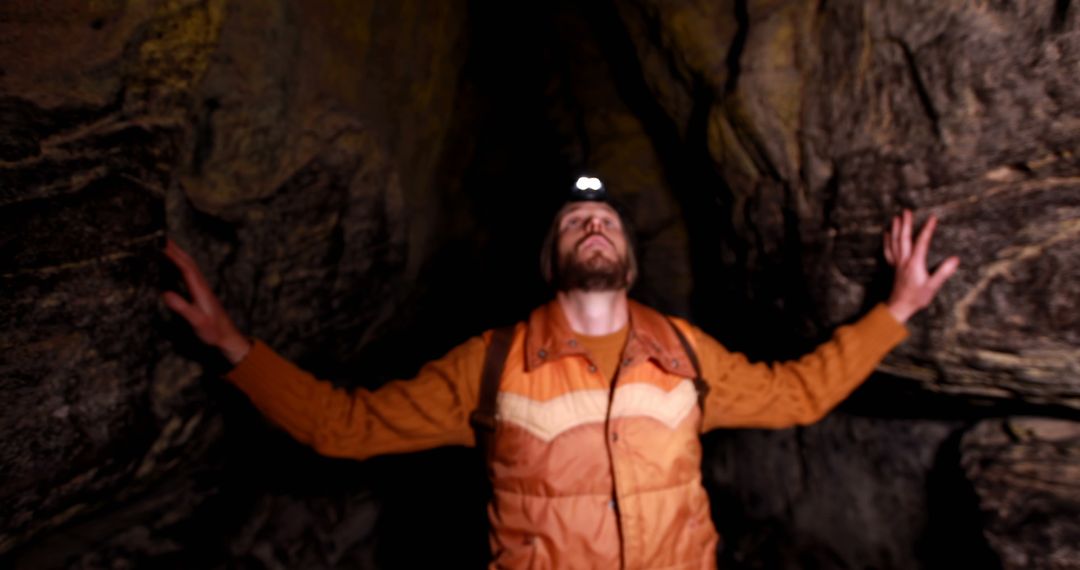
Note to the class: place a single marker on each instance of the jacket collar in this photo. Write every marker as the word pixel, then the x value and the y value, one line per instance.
pixel 548 337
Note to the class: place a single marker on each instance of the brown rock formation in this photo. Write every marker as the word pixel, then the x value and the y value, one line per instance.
pixel 93 139
pixel 1026 472
pixel 245 130
pixel 825 118
pixel 838 494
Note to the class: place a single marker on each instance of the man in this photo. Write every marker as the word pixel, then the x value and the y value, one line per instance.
pixel 596 457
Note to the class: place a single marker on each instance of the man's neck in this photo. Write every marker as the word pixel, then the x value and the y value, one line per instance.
pixel 595 313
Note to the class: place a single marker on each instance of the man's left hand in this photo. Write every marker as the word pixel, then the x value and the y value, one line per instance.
pixel 913 286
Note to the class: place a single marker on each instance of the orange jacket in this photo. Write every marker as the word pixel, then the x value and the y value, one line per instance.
pixel 586 474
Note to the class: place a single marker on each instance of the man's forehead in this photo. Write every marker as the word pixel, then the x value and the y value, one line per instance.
pixel 587 208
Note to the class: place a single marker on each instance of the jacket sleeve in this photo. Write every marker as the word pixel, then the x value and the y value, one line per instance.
pixel 430 410
pixel 797 392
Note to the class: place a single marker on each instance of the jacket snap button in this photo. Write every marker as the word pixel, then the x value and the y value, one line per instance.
pixel 572 342
pixel 614 436
pixel 674 363
pixel 592 368
pixel 542 353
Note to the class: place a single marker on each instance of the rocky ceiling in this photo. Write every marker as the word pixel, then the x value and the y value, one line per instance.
pixel 366 182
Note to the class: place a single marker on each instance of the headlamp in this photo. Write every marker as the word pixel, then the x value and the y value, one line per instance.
pixel 588 188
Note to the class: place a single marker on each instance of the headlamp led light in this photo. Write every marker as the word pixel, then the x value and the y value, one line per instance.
pixel 588 188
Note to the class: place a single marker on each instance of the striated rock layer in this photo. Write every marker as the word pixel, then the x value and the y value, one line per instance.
pixel 1026 472
pixel 825 118
pixel 294 148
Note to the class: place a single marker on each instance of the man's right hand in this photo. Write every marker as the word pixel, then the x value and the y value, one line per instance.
pixel 204 313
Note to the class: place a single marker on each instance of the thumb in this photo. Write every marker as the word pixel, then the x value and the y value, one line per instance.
pixel 943 273
pixel 181 306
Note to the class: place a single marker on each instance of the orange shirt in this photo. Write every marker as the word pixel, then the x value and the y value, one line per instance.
pixel 605 350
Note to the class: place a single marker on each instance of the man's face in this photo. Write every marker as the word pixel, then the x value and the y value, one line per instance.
pixel 592 248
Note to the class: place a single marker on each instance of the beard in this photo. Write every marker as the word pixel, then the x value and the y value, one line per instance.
pixel 591 272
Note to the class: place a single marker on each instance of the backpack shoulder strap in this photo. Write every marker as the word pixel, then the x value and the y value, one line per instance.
pixel 699 383
pixel 483 417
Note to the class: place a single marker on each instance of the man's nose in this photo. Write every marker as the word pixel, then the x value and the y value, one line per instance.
pixel 593 224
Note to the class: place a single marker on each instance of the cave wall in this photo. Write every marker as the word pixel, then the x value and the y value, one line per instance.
pixel 359 180
pixel 300 151
pixel 825 118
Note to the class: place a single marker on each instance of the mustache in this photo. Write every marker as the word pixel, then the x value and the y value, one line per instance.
pixel 587 236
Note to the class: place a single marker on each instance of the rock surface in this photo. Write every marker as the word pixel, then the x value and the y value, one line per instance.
pixel 92 143
pixel 1026 472
pixel 245 131
pixel 823 119
pixel 826 118
pixel 838 494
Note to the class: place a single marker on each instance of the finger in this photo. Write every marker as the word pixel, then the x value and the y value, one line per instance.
pixel 188 270
pixel 894 233
pixel 886 242
pixel 171 253
pixel 905 235
pixel 182 262
pixel 193 277
pixel 922 244
pixel 943 273
pixel 177 254
pixel 179 305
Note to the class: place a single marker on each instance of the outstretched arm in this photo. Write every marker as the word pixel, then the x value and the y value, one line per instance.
pixel 204 312
pixel 427 411
pixel 782 394
pixel 430 410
